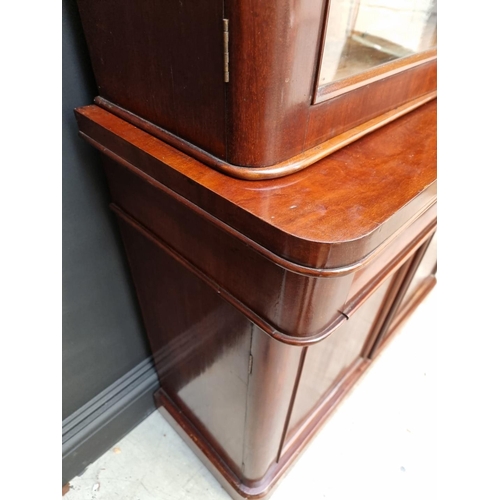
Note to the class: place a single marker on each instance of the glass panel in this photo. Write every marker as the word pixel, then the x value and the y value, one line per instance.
pixel 363 34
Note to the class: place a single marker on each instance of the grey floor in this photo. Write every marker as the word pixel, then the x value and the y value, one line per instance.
pixel 379 443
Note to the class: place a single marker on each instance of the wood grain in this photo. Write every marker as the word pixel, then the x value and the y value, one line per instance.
pixel 395 306
pixel 164 63
pixel 374 74
pixel 281 169
pixel 262 300
pixel 269 286
pixel 348 204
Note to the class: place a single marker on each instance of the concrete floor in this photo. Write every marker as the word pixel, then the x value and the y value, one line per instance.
pixel 380 442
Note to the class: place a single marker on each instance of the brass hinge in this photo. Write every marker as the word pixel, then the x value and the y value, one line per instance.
pixel 226 49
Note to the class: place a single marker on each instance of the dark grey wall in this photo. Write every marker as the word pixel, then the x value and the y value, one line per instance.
pixel 103 337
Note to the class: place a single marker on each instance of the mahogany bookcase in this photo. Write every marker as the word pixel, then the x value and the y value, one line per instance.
pixel 279 222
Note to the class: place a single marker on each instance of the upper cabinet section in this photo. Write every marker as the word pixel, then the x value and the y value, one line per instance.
pixel 366 40
pixel 260 89
pixel 161 60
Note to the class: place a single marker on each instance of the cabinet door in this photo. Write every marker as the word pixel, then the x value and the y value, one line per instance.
pixel 424 275
pixel 416 279
pixel 328 364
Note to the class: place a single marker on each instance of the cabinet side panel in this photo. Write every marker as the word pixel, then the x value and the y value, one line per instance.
pixel 200 344
pixel 162 61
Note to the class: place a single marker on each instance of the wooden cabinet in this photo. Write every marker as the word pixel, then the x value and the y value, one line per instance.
pixel 261 89
pixel 264 301
pixel 267 288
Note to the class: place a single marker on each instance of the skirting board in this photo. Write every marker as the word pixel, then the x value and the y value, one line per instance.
pixel 105 419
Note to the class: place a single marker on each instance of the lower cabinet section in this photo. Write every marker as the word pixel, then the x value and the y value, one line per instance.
pixel 265 301
pixel 247 402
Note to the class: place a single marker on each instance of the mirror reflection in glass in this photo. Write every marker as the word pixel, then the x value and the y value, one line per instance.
pixel 363 34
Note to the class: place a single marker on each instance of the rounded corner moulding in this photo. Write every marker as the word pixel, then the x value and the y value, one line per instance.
pixel 250 106
pixel 278 170
pixel 254 317
pixel 118 140
pixel 289 265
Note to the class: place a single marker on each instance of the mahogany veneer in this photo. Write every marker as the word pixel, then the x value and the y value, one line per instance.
pixel 249 103
pixel 264 301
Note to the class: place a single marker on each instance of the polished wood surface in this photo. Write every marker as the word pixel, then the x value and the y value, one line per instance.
pixel 369 101
pixel 281 169
pixel 426 268
pixel 164 62
pixel 374 74
pixel 274 373
pixel 394 256
pixel 397 280
pixel 387 324
pixel 273 48
pixel 265 301
pixel 200 343
pixel 328 362
pixel 332 214
pixel 404 313
pixel 266 293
